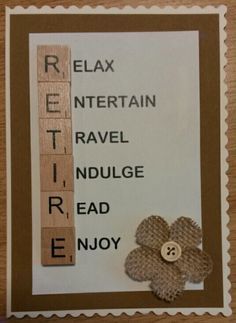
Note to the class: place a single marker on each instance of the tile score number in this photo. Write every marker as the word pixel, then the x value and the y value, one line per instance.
pixel 56 156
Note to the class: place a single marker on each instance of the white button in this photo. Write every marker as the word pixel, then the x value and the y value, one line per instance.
pixel 171 251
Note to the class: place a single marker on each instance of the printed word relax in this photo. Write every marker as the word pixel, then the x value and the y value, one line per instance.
pixel 81 65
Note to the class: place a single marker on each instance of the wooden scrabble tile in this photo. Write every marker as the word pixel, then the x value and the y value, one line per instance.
pixel 53 63
pixel 54 100
pixel 57 209
pixel 56 173
pixel 57 246
pixel 55 136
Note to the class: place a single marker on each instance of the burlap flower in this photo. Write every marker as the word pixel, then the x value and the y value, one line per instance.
pixel 168 256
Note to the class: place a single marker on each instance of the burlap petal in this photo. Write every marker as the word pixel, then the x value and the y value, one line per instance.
pixel 195 264
pixel 152 232
pixel 168 282
pixel 185 232
pixel 142 263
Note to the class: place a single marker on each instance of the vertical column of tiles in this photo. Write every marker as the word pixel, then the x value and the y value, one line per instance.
pixel 56 156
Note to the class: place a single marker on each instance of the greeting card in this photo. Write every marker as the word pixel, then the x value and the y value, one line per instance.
pixel 116 161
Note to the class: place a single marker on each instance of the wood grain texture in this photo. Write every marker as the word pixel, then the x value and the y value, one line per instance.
pixel 56 173
pixel 57 209
pixel 54 100
pixel 55 136
pixel 58 246
pixel 53 63
pixel 231 94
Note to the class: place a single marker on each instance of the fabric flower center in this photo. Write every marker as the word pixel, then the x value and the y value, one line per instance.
pixel 171 251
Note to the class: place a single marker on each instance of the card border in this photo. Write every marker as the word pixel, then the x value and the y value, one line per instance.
pixel 223 305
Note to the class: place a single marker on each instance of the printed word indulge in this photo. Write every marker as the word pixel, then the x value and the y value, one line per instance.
pixel 110 172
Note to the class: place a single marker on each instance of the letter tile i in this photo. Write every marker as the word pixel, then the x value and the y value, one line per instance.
pixel 56 156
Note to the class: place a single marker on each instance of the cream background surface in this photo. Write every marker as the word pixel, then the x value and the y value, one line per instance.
pixel 165 140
